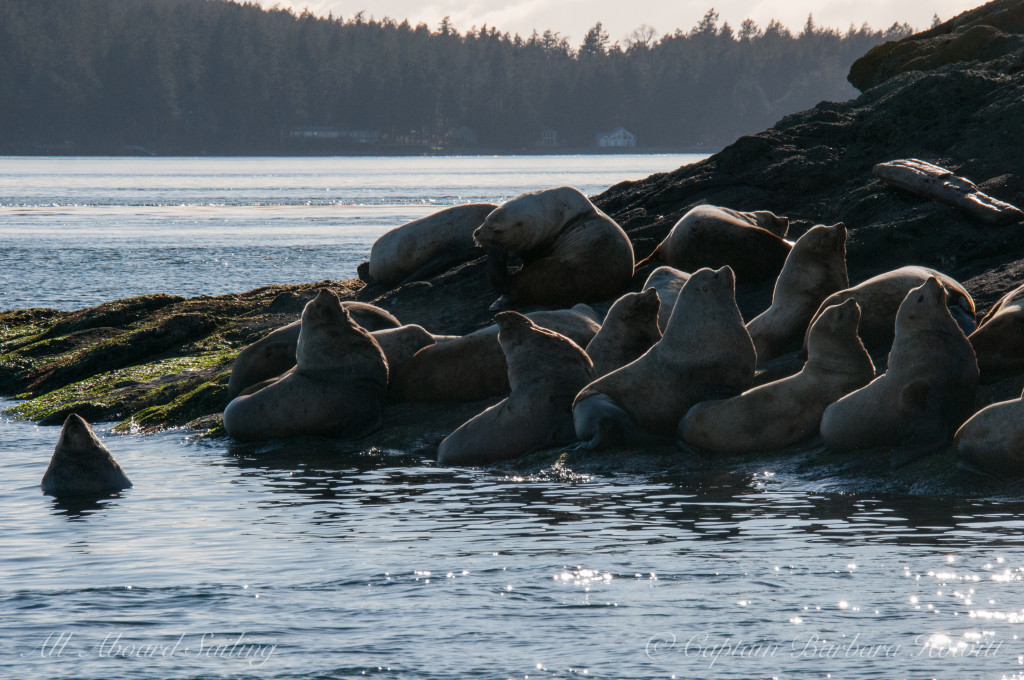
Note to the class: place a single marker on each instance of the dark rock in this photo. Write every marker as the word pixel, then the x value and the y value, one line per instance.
pixel 981 34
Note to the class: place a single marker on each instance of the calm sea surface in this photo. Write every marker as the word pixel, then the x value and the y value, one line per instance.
pixel 306 560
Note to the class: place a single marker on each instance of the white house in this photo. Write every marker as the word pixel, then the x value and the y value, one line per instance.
pixel 620 136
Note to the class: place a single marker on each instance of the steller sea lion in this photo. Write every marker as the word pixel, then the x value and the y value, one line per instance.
pixel 814 269
pixel 926 392
pixel 428 246
pixel 336 388
pixel 629 329
pixel 473 367
pixel 999 338
pixel 880 298
pixel 787 411
pixel 711 236
pixel 571 251
pixel 705 353
pixel 668 281
pixel 274 353
pixel 81 464
pixel 993 439
pixel 545 371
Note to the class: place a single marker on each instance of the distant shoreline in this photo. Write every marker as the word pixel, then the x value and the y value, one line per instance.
pixel 377 152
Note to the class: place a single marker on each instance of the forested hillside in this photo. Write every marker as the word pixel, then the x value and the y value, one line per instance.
pixel 212 76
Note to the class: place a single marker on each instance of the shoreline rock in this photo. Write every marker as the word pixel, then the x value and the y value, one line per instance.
pixel 162 361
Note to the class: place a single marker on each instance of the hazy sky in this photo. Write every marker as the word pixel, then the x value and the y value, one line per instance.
pixel 573 17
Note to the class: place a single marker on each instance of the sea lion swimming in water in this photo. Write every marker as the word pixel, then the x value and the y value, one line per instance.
pixel 81 464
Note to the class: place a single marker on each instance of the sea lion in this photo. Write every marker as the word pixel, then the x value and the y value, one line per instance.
pixel 473 367
pixel 428 246
pixel 274 353
pixel 81 464
pixel 787 411
pixel 993 439
pixel 814 269
pixel 545 371
pixel 630 328
pixel 880 298
pixel 999 338
pixel 571 251
pixel 336 388
pixel 668 281
pixel 711 236
pixel 926 392
pixel 705 353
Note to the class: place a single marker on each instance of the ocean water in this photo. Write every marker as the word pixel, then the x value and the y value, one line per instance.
pixel 75 232
pixel 305 559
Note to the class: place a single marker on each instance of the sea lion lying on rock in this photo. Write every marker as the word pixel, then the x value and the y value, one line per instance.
pixel 705 354
pixel 993 439
pixel 336 389
pixel 880 298
pixel 473 367
pixel 81 464
pixel 925 394
pixel 999 338
pixel 668 281
pixel 752 244
pixel 545 370
pixel 814 269
pixel 571 251
pixel 940 184
pixel 274 353
pixel 629 329
pixel 787 411
pixel 428 246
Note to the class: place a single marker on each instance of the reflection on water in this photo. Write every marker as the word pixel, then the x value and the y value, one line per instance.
pixel 317 561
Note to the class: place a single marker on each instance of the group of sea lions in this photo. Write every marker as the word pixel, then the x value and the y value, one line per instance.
pixel 673 362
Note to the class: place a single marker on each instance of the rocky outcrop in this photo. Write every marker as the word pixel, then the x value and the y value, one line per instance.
pixel 162 361
pixel 980 34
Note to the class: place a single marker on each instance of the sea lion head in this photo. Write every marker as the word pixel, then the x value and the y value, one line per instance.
pixel 923 306
pixel 776 224
pixel 513 328
pixel 634 308
pixel 823 241
pixel 81 464
pixel 836 322
pixel 530 220
pixel 537 356
pixel 327 333
pixel 77 437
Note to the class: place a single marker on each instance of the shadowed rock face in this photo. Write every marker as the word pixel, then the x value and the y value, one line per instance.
pixel 81 465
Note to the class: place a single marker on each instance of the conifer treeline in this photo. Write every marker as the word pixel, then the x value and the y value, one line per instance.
pixel 214 76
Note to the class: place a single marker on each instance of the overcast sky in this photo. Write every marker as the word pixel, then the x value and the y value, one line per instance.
pixel 573 17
